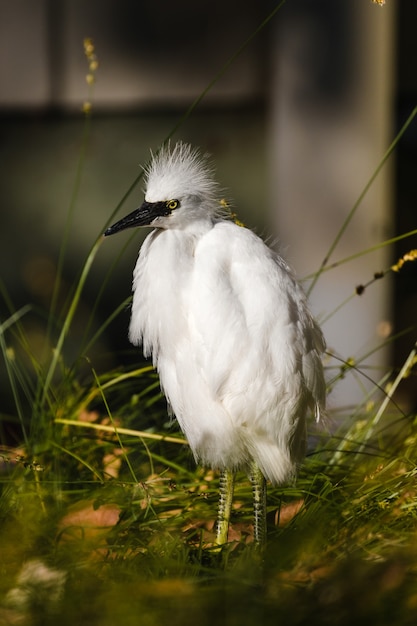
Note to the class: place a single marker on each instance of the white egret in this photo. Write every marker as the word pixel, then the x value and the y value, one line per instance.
pixel 229 330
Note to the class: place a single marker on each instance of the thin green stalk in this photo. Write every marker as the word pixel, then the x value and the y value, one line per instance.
pixel 116 380
pixel 99 297
pixel 14 318
pixel 91 57
pixel 355 294
pixel 172 464
pixel 13 386
pixel 70 215
pixel 130 432
pixel 122 306
pixel 360 198
pixel 340 306
pixel 68 319
pixel 411 359
pixel 79 459
pixel 38 488
pixel 115 429
pixel 357 255
pixel 17 326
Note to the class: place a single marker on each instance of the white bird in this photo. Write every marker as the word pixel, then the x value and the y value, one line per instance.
pixel 228 327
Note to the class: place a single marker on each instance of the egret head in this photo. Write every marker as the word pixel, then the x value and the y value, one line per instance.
pixel 180 188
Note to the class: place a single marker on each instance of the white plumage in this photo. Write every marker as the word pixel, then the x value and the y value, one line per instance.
pixel 226 323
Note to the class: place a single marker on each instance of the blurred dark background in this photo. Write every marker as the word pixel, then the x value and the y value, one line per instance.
pixel 296 126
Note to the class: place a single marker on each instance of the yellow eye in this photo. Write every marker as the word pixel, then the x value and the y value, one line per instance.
pixel 172 204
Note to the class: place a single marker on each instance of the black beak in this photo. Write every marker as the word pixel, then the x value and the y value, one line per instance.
pixel 143 216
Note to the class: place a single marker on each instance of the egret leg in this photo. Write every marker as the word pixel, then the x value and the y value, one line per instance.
pixel 259 504
pixel 226 483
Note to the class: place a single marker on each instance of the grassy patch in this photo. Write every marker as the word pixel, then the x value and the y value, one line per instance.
pixel 103 523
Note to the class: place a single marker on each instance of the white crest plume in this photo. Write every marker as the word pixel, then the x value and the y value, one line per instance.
pixel 179 172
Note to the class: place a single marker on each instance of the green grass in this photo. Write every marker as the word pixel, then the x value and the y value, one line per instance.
pixel 111 524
